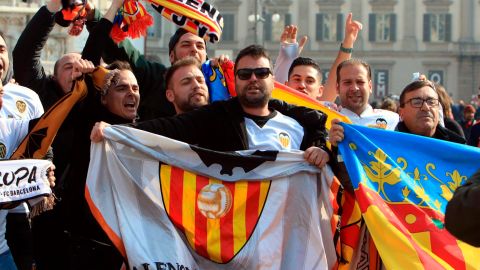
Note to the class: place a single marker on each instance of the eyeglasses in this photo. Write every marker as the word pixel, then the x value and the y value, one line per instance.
pixel 260 73
pixel 418 102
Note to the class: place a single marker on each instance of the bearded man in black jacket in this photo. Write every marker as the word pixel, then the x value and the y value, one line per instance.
pixel 229 125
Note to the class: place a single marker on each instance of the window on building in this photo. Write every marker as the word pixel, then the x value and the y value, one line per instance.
pixel 382 27
pixel 437 27
pixel 274 24
pixel 228 33
pixel 329 27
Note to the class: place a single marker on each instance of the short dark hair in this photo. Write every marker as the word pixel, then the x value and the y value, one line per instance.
pixel 255 51
pixel 412 87
pixel 176 37
pixel 120 65
pixel 305 61
pixel 354 62
pixel 187 61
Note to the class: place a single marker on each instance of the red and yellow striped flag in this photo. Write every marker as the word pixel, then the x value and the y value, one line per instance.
pixel 292 96
pixel 199 207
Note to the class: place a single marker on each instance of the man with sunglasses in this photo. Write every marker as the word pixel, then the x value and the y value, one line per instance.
pixel 249 121
pixel 419 112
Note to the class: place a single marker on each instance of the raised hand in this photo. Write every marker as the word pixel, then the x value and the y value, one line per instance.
pixel 352 28
pixel 289 36
pixel 82 66
pixel 54 5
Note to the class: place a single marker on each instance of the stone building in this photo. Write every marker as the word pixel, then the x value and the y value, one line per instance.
pixel 439 38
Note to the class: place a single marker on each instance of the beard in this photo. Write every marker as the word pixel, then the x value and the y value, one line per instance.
pixel 254 101
pixel 192 103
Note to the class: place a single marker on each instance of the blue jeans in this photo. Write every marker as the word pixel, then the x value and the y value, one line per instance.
pixel 6 261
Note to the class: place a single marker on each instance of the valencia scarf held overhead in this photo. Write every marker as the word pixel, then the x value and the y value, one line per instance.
pixel 197 17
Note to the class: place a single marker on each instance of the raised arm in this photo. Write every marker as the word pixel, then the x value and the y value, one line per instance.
pixel 149 75
pixel 27 67
pixel 99 35
pixel 289 50
pixel 352 28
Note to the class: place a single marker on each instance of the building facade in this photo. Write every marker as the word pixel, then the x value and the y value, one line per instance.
pixel 439 38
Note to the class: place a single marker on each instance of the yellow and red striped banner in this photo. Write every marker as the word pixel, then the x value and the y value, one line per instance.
pixel 292 96
pixel 198 17
pixel 216 228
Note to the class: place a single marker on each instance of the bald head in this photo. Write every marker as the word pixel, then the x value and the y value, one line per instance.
pixel 63 71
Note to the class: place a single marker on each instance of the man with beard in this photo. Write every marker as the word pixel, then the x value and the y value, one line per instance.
pixel 420 115
pixel 419 112
pixel 151 74
pixel 354 87
pixel 249 121
pixel 186 88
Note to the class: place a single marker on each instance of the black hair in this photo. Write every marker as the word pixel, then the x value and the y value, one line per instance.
pixel 255 51
pixel 305 61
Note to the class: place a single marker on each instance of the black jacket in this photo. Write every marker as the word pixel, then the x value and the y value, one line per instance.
pixel 27 65
pixel 221 126
pixel 86 234
pixel 441 133
pixel 462 216
pixel 30 73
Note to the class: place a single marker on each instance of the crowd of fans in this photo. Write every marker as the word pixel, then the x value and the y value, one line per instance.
pixel 177 102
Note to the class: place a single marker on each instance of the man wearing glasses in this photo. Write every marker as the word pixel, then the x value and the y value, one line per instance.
pixel 419 112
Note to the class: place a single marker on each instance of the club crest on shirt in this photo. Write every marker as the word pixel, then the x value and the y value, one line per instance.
pixel 21 106
pixel 3 151
pixel 380 123
pixel 284 139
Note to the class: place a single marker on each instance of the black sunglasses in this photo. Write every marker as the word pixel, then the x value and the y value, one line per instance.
pixel 260 73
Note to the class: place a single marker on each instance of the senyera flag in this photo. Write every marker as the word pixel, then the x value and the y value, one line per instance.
pixel 292 96
pixel 212 210
pixel 402 184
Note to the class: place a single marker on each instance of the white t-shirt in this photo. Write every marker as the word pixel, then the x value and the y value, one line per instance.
pixel 12 132
pixel 376 118
pixel 20 103
pixel 280 132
